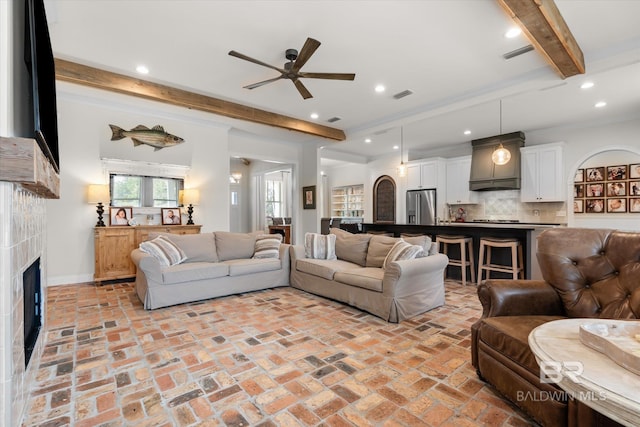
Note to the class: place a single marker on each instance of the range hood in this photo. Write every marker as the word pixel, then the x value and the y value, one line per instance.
pixel 486 175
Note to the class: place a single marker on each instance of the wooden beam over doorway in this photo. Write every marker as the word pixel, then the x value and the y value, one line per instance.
pixel 101 79
pixel 547 31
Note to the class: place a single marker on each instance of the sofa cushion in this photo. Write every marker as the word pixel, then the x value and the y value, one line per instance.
pixel 402 251
pixel 379 247
pixel 351 247
pixel 164 250
pixel 366 278
pixel 423 241
pixel 241 267
pixel 267 246
pixel 235 245
pixel 193 271
pixel 196 247
pixel 509 335
pixel 322 268
pixel 319 246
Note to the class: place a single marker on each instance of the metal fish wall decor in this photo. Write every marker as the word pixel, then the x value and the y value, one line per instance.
pixel 155 137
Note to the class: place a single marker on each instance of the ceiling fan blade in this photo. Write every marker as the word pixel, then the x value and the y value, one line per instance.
pixel 255 61
pixel 307 50
pixel 303 90
pixel 330 76
pixel 264 82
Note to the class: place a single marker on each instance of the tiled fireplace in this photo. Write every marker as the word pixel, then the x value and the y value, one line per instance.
pixel 22 242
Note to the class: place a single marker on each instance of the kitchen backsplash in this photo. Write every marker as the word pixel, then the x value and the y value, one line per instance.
pixel 506 205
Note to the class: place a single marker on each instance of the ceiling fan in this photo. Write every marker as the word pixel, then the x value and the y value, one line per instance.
pixel 291 69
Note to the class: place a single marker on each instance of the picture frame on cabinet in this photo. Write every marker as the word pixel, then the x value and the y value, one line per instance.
pixel 120 216
pixel 595 190
pixel 617 205
pixel 579 176
pixel 171 216
pixel 594 206
pixel 634 171
pixel 616 173
pixel 634 188
pixel 578 206
pixel 616 189
pixel 595 174
pixel 634 204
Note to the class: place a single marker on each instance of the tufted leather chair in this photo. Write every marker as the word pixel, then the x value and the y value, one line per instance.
pixel 592 273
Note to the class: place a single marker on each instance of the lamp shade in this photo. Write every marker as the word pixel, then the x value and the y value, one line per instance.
pixel 97 193
pixel 191 196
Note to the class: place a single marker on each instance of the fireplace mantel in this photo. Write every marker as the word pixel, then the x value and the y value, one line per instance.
pixel 22 162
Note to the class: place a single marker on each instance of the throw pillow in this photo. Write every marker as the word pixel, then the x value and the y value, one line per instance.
pixel 401 251
pixel 421 240
pixel 379 247
pixel 267 246
pixel 320 246
pixel 164 250
pixel 235 245
pixel 351 247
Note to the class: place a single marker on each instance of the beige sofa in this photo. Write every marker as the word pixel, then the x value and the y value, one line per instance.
pixel 404 289
pixel 217 264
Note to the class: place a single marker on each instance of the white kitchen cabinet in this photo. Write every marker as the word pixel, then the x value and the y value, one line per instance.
pixel 458 173
pixel 425 174
pixel 543 177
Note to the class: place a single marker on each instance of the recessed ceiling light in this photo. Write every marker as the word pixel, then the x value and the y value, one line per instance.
pixel 513 32
pixel 395 147
pixel 142 69
pixel 467 132
pixel 380 88
pixel 600 104
pixel 367 141
pixel 314 115
pixel 586 85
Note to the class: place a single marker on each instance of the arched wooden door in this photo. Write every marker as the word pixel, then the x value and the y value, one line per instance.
pixel 384 200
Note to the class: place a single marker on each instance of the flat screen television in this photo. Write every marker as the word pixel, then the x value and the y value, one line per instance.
pixel 38 57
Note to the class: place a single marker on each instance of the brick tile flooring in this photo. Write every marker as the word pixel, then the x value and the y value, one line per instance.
pixel 279 357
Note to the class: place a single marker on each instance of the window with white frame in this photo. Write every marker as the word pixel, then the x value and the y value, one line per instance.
pixel 147 191
pixel 273 198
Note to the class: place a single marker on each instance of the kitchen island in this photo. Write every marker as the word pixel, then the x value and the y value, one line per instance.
pixel 526 233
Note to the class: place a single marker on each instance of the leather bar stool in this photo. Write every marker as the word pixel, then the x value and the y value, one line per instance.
pixel 466 254
pixel 486 244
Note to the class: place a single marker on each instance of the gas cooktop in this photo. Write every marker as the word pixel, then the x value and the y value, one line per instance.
pixel 498 221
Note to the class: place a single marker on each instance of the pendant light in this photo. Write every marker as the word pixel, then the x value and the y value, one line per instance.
pixel 402 169
pixel 501 155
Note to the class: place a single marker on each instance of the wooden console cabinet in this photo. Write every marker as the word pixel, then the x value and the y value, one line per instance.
pixel 113 246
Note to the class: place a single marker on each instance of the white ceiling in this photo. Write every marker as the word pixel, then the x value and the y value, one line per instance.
pixel 448 52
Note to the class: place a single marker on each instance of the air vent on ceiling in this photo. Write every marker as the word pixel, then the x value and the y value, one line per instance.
pixel 380 132
pixel 334 119
pixel 518 52
pixel 402 94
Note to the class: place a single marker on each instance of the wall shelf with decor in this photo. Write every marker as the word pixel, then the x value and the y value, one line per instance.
pixel 347 201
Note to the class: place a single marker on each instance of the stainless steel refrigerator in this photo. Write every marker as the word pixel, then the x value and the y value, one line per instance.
pixel 421 207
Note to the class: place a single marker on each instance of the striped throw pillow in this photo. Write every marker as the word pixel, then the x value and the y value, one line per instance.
pixel 320 246
pixel 267 246
pixel 164 250
pixel 401 251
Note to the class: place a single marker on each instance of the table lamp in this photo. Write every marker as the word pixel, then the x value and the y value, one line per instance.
pixel 98 193
pixel 191 197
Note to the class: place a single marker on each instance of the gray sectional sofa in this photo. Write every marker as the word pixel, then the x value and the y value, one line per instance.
pixel 217 264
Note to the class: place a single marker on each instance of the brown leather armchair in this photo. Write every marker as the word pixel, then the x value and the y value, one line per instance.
pixel 591 273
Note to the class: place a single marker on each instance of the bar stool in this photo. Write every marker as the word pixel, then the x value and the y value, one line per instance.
pixel 517 266
pixel 466 260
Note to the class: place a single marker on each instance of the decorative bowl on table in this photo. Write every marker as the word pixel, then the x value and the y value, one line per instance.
pixel 619 340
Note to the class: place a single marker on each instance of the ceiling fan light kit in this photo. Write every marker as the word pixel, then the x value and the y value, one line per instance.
pixel 291 69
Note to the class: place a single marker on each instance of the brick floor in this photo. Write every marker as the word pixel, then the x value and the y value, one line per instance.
pixel 279 357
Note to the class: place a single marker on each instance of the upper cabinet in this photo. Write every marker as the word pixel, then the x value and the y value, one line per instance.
pixel 543 173
pixel 458 173
pixel 426 174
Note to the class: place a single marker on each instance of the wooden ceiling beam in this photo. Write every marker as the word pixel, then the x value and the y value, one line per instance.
pixel 547 31
pixel 101 79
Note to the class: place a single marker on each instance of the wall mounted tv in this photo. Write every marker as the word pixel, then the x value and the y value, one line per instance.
pixel 38 57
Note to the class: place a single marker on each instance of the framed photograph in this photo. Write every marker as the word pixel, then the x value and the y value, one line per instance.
pixel 634 188
pixel 578 206
pixel 120 216
pixel 616 173
pixel 595 190
pixel 579 176
pixel 171 216
pixel 634 204
pixel 578 191
pixel 594 174
pixel 634 171
pixel 616 205
pixel 615 189
pixel 594 206
pixel 309 197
